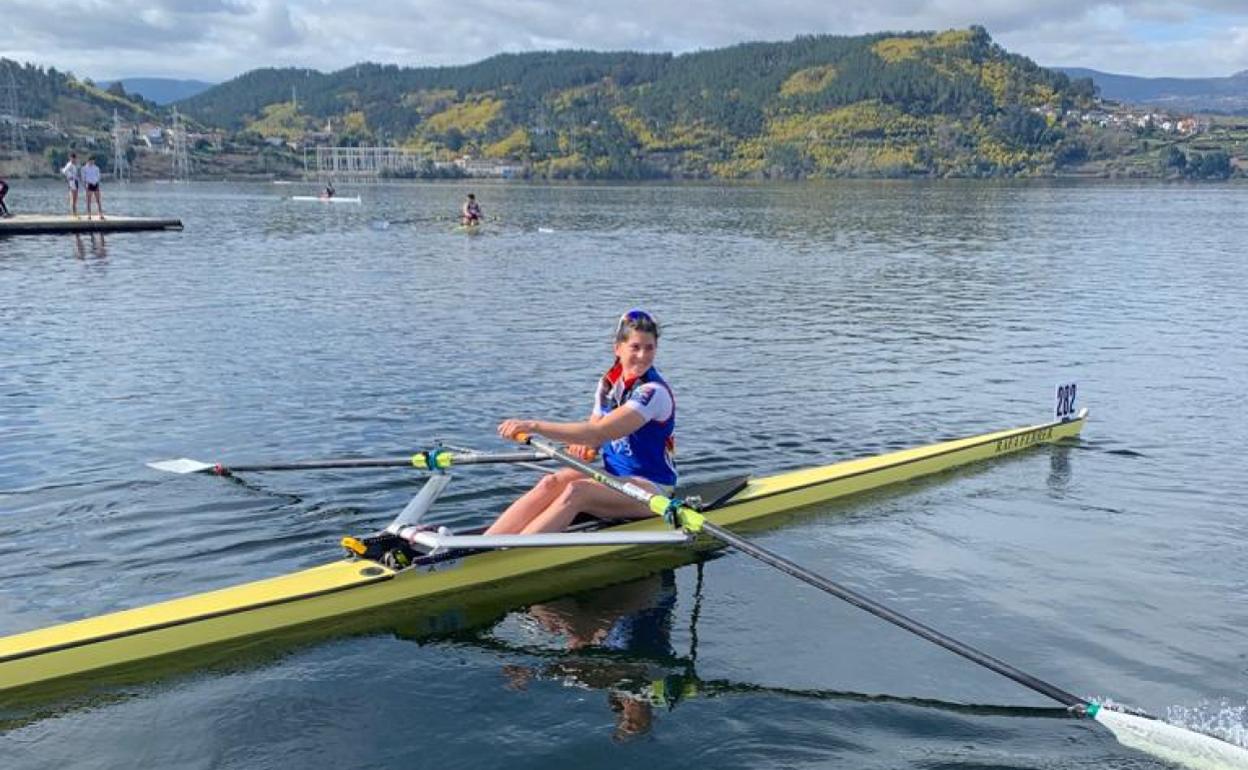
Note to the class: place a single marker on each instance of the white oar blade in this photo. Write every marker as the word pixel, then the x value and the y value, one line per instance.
pixel 181 465
pixel 1172 743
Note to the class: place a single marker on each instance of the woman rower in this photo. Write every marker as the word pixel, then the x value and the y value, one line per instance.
pixel 633 420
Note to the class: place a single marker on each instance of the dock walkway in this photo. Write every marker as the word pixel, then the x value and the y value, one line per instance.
pixel 32 224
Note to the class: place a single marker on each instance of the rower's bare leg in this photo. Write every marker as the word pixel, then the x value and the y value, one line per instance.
pixel 532 503
pixel 585 495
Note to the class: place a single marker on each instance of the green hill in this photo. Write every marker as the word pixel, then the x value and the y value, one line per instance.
pixel 57 112
pixel 52 96
pixel 947 103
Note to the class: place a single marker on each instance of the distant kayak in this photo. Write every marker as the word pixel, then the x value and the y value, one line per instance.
pixel 469 229
pixel 322 199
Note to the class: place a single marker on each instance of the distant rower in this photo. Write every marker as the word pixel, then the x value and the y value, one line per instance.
pixel 470 215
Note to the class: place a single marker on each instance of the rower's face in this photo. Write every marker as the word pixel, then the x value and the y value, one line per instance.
pixel 636 352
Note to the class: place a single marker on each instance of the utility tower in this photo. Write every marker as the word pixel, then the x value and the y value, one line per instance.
pixel 181 156
pixel 11 115
pixel 121 143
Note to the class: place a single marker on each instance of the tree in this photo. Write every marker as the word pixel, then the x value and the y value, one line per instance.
pixel 1211 165
pixel 56 157
pixel 1020 127
pixel 1173 159
pixel 1070 151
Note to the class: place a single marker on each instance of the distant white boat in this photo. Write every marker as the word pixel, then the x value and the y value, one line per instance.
pixel 322 199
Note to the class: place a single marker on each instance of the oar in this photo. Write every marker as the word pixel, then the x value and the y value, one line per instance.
pixel 1138 730
pixel 433 459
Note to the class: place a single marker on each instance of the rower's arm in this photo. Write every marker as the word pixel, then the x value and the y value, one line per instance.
pixel 616 424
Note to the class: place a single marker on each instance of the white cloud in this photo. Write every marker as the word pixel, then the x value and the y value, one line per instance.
pixel 217 39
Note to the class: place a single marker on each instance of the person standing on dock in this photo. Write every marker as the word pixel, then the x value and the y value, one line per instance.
pixel 4 190
pixel 632 421
pixel 74 180
pixel 91 178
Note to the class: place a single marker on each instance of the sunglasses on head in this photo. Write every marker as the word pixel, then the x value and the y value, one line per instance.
pixel 637 319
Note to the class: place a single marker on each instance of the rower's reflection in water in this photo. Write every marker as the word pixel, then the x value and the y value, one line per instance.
pixel 626 629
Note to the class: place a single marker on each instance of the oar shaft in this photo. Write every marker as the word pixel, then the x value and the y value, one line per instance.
pixel 422 460
pixel 431 460
pixel 892 616
pixel 302 465
pixel 657 503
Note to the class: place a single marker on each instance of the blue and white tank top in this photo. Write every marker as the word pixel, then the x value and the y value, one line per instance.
pixel 649 451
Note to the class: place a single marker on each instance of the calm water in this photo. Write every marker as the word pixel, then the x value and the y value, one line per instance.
pixel 803 324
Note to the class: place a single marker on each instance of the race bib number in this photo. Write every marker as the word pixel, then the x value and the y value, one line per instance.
pixel 1066 408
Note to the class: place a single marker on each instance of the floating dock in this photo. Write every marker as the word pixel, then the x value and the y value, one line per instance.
pixel 35 224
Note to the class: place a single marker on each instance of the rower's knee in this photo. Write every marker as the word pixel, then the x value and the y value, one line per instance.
pixel 554 483
pixel 547 485
pixel 575 491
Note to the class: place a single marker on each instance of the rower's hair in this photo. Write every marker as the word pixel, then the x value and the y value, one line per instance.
pixel 636 320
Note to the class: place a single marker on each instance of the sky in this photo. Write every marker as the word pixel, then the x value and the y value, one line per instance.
pixel 216 40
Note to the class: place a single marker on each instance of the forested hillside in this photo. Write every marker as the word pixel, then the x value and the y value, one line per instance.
pixel 948 103
pixel 939 104
pixel 61 99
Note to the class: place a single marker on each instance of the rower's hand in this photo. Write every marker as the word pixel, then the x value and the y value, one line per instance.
pixel 511 429
pixel 583 453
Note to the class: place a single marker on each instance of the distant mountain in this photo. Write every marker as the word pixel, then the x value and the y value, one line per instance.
pixel 161 90
pixel 1229 94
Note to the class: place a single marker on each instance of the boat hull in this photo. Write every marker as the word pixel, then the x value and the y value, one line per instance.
pixel 354 586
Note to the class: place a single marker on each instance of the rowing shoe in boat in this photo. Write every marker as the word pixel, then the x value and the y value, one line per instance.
pixel 405 563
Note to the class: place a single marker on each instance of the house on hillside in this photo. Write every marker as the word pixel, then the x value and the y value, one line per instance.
pixel 152 136
pixel 490 167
